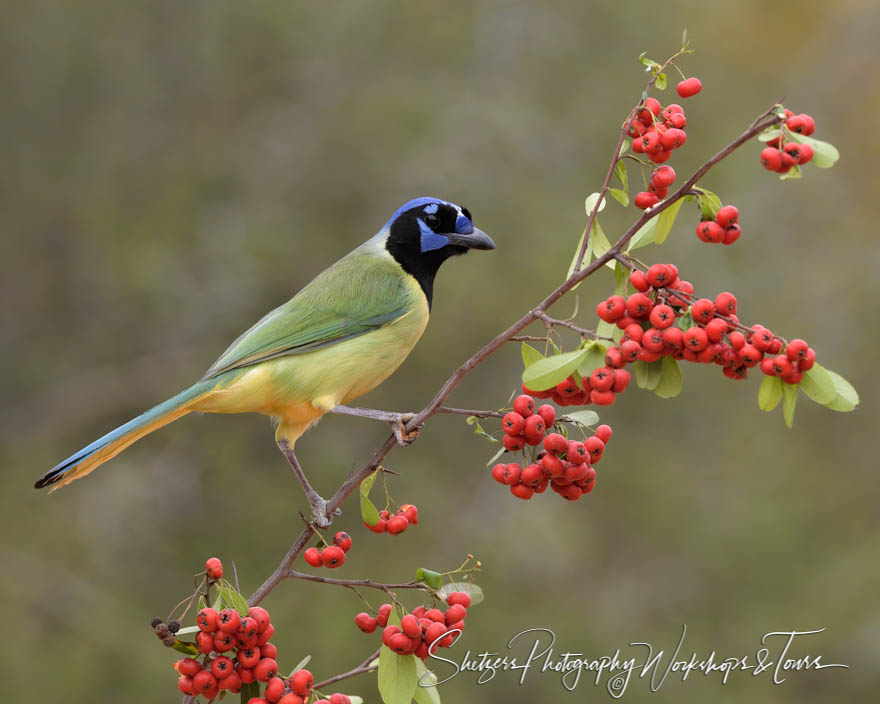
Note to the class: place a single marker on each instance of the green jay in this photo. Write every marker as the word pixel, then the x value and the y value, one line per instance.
pixel 342 335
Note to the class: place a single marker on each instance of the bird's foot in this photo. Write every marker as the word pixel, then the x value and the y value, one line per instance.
pixel 321 517
pixel 398 425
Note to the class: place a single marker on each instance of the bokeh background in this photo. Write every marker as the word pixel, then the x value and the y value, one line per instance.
pixel 171 171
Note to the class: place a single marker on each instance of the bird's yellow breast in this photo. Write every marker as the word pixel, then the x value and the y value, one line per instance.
pixel 298 389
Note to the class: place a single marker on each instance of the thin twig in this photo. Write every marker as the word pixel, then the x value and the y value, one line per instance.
pixel 293 574
pixel 365 666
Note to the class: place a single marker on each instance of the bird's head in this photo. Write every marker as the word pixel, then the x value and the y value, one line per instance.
pixel 425 232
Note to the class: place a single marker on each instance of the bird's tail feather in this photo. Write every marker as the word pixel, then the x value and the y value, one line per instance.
pixel 94 455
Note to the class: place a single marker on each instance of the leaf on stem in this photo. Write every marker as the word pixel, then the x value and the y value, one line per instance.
pixel 770 393
pixel 369 512
pixel 584 418
pixel 789 399
pixel 397 673
pixel 670 382
pixel 548 372
pixel 478 429
pixel 429 577
pixel 818 385
pixel 426 692
pixel 665 221
pixel 530 355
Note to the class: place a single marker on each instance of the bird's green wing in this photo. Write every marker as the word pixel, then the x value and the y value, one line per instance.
pixel 361 292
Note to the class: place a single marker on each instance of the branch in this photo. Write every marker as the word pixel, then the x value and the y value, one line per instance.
pixel 365 666
pixel 766 119
pixel 293 574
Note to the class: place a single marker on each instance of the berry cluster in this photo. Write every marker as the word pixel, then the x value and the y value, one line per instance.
pixel 406 516
pixel 330 555
pixel 664 318
pixel 566 466
pixel 421 631
pixel 781 156
pixel 657 131
pixel 723 228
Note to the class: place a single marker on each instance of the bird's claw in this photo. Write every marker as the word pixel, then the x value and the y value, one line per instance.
pixel 398 426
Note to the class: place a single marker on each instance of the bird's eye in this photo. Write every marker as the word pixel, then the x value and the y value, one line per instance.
pixel 432 220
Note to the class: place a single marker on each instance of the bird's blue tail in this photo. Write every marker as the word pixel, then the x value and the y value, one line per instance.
pixel 107 447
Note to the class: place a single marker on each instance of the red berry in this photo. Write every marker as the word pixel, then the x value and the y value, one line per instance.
pixel 261 616
pixel 662 316
pixel 639 282
pixel 604 432
pixel 552 465
pixel 673 138
pixel 342 540
pixel 725 304
pixel 208 619
pixel 806 154
pixel 274 690
pixel 645 199
pixel 333 556
pixel 807 361
pixel 695 339
pixel 548 413
pixel 524 405
pixel 268 650
pixel 382 616
pixel 796 349
pixel 246 674
pixel 291 698
pixel 339 699
pixel 602 398
pixel 689 87
pixel 602 379
pixel 188 666
pixel 731 234
pixel 521 491
pixel 532 474
pixel 658 275
pixel 204 642
pixel 703 310
pixel 513 443
pixel 221 667
pixel 716 328
pixel 555 443
pixel 677 120
pixel 229 620
pixel 534 430
pixel 639 305
pixel 498 473
pixel 771 158
pixel 595 447
pixel 462 598
pixel 232 683
pixel 365 622
pixel 214 568
pixel 512 473
pixel 513 423
pixel 621 380
pixel 409 624
pixel 611 309
pixel 302 680
pixel 663 176
pixel 185 685
pixel 410 512
pixel 379 526
pixel 673 338
pixel 710 231
pixel 204 681
pixel 397 524
pixel 313 557
pixel 727 216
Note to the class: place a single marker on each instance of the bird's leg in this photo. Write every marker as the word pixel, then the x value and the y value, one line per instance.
pixel 397 421
pixel 320 516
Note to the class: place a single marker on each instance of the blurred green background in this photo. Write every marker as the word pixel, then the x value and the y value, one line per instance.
pixel 171 171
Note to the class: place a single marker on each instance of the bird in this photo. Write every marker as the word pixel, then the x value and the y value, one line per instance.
pixel 339 337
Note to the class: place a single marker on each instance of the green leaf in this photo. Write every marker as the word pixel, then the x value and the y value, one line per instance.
pixel 789 399
pixel 397 673
pixel 847 398
pixel 685 322
pixel 587 254
pixel 498 454
pixel 620 196
pixel 231 596
pixel 647 374
pixel 585 418
pixel 818 385
pixel 600 243
pixel 605 329
pixel 665 221
pixel 300 665
pixel 369 512
pixel 644 235
pixel 429 577
pixel 594 359
pixel 590 203
pixel 188 649
pixel 769 133
pixel 825 155
pixel 661 81
pixel 770 393
pixel 478 429
pixel 249 691
pixel 470 588
pixel 188 629
pixel 709 204
pixel 548 372
pixel 684 38
pixel 425 693
pixel 793 173
pixel 355 699
pixel 670 383
pixel 530 355
pixel 620 172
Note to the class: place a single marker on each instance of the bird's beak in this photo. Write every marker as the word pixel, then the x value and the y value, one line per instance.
pixel 473 240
